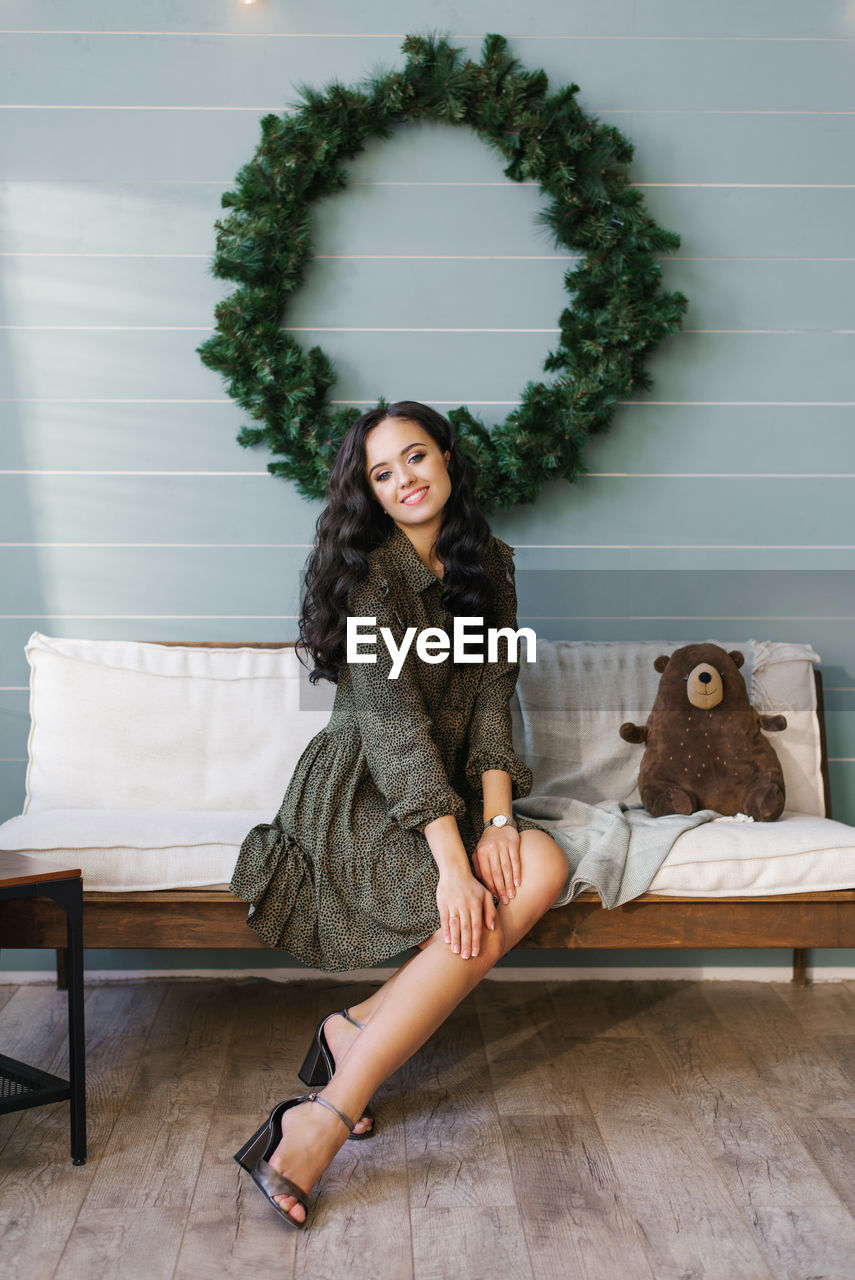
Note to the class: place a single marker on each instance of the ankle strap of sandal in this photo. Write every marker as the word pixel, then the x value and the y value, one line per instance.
pixel 330 1106
pixel 345 1013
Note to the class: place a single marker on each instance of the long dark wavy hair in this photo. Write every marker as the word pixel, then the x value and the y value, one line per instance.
pixel 353 523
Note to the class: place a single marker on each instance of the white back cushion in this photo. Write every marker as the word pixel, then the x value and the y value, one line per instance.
pixel 127 725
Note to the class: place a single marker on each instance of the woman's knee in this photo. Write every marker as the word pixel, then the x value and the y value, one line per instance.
pixel 543 862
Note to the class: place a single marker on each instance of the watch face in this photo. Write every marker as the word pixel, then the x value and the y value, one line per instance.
pixel 499 820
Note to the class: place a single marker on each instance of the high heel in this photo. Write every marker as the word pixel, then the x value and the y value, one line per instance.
pixel 255 1154
pixel 319 1065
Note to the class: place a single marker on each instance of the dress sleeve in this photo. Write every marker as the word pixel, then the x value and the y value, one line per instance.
pixel 394 725
pixel 490 744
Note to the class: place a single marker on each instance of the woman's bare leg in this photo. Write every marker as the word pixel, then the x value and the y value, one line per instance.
pixel 365 1009
pixel 416 1001
pixel 341 1034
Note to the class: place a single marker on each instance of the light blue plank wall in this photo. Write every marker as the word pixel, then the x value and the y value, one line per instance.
pixel 123 495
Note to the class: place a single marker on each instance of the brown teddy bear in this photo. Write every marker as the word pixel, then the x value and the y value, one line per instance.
pixel 704 745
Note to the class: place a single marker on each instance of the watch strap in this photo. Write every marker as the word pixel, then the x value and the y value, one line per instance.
pixel 509 821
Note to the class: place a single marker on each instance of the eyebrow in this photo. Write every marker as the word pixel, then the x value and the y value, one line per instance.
pixel 403 451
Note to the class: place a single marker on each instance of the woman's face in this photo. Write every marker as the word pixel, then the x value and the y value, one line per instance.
pixel 406 471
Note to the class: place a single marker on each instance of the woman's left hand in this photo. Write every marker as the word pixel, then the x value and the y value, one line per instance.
pixel 496 861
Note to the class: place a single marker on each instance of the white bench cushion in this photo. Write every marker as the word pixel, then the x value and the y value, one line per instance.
pixel 728 858
pixel 149 849
pixel 136 849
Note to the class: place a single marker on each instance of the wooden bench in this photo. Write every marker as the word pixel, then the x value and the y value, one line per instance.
pixel 215 918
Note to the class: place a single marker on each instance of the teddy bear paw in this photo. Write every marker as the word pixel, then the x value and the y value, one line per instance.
pixel 764 800
pixel 661 801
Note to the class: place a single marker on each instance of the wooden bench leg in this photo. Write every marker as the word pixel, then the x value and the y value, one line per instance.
pixel 62 968
pixel 800 966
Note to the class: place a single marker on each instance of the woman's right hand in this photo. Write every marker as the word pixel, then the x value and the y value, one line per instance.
pixel 464 906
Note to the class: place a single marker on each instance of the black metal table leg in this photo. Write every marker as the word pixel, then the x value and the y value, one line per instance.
pixel 24 1086
pixel 76 1026
pixel 68 894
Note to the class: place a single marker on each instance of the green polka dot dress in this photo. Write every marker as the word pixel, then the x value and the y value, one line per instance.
pixel 344 877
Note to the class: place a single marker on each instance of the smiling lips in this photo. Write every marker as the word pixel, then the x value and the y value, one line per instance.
pixel 412 498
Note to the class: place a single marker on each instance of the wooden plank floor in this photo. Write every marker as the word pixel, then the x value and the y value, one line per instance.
pixel 612 1131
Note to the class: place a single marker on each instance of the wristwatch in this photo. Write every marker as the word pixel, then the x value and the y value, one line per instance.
pixel 500 820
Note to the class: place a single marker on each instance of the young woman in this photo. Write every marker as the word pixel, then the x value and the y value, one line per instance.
pixel 396 830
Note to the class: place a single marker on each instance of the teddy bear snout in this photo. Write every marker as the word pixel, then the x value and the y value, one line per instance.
pixel 704 686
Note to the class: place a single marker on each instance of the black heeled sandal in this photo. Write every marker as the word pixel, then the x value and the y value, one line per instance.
pixel 319 1066
pixel 256 1152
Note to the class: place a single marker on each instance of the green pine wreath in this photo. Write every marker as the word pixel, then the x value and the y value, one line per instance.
pixel 616 316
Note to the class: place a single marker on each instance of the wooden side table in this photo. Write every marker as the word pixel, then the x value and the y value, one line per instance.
pixel 23 1086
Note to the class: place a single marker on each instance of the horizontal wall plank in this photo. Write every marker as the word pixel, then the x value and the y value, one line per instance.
pixel 12 795
pixel 108 217
pixel 707 594
pixel 727 512
pixel 110 291
pixel 615 511
pixel 785 19
pixel 436 367
pixel 840 698
pixel 151 580
pixel 163 292
pixel 210 146
pixel 643 438
pixel 126 146
pixel 176 218
pixel 743 222
pixel 255 581
pixel 153 509
pixel 842 777
pixel 126 437
pixel 777 19
pixel 840 728
pixel 742 438
pixel 621 73
pixel 14 725
pixel 323 16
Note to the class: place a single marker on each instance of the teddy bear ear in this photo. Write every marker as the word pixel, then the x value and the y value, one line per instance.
pixel 661 662
pixel 736 657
